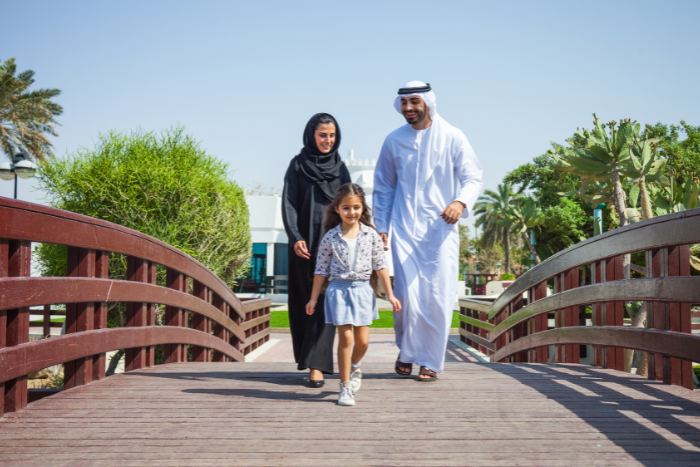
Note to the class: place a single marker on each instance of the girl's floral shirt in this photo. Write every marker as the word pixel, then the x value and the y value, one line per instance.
pixel 332 259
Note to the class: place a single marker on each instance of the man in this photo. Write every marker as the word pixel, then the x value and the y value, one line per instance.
pixel 427 178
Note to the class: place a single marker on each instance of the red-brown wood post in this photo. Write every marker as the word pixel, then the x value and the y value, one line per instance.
pixel 219 330
pixel 614 314
pixel 541 353
pixel 151 315
pixel 99 361
pixel 16 321
pixel 483 316
pixel 598 314
pixel 679 316
pixel 200 323
pixel 172 353
pixel 572 353
pixel 657 316
pixel 233 340
pixel 80 317
pixel 517 332
pixel 4 271
pixel 137 271
pixel 46 322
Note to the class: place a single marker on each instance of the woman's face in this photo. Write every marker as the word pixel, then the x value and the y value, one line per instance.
pixel 325 137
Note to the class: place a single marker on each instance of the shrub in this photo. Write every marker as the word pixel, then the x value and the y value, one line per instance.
pixel 506 277
pixel 162 185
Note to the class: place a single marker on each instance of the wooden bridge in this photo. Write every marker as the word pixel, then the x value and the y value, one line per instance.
pixel 535 405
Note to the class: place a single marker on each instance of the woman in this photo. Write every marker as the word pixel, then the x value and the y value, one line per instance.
pixel 309 186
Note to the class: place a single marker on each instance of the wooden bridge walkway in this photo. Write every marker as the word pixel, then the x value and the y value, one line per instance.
pixel 226 414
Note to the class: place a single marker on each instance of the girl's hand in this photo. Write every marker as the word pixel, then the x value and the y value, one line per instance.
pixel 300 249
pixel 395 303
pixel 310 307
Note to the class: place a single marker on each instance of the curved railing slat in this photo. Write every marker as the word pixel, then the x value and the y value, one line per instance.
pixel 36 223
pixel 662 289
pixel 671 344
pixel 680 228
pixel 18 292
pixel 23 359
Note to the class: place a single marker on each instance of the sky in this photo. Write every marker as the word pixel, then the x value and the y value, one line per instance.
pixel 243 78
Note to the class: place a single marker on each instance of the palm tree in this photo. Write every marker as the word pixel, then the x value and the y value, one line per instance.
pixel 494 215
pixel 526 215
pixel 26 117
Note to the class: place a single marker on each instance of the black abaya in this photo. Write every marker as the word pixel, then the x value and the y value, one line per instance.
pixel 304 199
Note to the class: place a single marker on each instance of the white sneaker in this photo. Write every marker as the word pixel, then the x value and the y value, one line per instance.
pixel 346 396
pixel 356 379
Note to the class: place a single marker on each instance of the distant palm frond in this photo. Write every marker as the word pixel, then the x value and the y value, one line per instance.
pixel 26 117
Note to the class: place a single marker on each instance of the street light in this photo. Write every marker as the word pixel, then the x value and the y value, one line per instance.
pixel 498 265
pixel 21 167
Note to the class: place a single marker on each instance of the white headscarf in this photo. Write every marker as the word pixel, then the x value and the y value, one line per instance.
pixel 428 98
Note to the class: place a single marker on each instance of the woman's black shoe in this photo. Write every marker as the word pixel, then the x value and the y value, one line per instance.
pixel 316 384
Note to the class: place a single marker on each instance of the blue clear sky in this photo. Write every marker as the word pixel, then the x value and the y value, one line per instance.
pixel 244 77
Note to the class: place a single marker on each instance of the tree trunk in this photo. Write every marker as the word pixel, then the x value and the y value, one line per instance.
pixel 647 213
pixel 619 198
pixel 637 322
pixel 533 252
pixel 506 245
pixel 643 370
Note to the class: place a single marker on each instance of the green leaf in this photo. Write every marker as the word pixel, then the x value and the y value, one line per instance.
pixel 587 165
pixel 634 195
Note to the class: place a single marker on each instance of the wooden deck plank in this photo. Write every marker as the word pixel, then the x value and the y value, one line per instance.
pixel 210 414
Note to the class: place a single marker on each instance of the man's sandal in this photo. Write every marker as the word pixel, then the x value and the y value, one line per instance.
pixel 425 371
pixel 400 365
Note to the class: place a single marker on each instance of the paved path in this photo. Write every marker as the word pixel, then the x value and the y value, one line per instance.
pixel 382 349
pixel 231 414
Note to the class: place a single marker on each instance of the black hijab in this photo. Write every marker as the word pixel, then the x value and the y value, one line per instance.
pixel 323 169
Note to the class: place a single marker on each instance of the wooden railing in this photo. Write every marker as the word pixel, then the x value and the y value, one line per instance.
pixel 223 328
pixel 586 299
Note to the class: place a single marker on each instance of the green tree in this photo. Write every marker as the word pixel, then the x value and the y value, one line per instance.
pixel 682 155
pixel 493 213
pixel 564 221
pixel 26 117
pixel 163 185
pixel 526 215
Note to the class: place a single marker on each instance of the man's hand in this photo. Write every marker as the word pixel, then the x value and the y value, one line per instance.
pixel 453 212
pixel 385 239
pixel 300 249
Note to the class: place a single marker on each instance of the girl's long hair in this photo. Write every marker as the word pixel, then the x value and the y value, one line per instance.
pixel 331 219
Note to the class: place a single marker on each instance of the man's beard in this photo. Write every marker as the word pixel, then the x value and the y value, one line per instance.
pixel 420 116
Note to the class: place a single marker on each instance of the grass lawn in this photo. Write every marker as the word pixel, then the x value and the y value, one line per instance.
pixel 280 319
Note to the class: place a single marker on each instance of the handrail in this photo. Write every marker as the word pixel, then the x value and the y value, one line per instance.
pixel 224 327
pixel 76 230
pixel 20 292
pixel 26 358
pixel 671 344
pixel 679 228
pixel 593 314
pixel 666 289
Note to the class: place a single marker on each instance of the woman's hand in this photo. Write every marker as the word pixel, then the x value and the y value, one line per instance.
pixel 300 249
pixel 395 303
pixel 310 307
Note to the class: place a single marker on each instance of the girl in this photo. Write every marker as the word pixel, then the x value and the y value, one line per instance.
pixel 351 257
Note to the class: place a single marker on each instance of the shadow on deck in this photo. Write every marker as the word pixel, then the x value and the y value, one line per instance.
pixel 211 414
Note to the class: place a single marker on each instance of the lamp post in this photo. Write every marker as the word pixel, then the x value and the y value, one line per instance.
pixel 498 265
pixel 21 167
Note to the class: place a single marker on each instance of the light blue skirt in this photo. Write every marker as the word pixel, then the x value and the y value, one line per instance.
pixel 350 302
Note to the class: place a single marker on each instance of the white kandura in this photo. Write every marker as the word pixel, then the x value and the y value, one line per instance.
pixel 418 174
